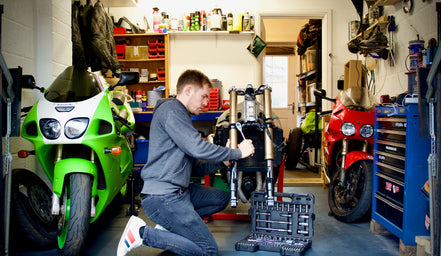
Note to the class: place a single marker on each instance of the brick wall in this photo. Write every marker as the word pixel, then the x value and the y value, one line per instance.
pixel 36 35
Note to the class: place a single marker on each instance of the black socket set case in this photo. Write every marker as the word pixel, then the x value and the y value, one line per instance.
pixel 286 227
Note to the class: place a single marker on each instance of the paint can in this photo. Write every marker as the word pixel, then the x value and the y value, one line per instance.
pixel 416 46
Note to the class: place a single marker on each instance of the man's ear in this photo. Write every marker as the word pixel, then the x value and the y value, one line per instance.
pixel 188 89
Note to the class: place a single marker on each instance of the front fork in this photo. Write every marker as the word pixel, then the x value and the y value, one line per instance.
pixel 344 152
pixel 56 198
pixel 269 150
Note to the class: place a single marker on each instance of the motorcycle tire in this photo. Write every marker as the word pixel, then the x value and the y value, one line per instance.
pixel 31 210
pixel 293 148
pixel 353 204
pixel 74 224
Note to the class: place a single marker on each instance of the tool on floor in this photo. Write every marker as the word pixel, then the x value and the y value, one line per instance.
pixel 285 227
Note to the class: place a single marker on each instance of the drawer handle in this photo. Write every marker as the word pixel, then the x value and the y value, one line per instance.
pixel 390 179
pixel 384 200
pixel 390 155
pixel 390 167
pixel 401 145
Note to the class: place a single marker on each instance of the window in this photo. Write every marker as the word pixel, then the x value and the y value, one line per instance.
pixel 275 74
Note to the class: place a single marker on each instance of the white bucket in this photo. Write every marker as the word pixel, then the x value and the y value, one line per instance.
pixel 153 97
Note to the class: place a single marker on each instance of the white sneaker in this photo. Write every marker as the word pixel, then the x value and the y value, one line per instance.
pixel 160 227
pixel 130 239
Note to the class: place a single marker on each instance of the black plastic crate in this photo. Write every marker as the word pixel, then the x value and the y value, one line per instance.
pixel 286 227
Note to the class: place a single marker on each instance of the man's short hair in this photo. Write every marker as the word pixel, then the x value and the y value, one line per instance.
pixel 193 77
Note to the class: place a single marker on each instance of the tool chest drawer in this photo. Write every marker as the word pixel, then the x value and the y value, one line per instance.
pixel 392 148
pixel 400 171
pixel 391 187
pixel 396 160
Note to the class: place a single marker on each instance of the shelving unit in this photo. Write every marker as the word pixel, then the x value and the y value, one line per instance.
pixel 400 171
pixel 309 79
pixel 151 64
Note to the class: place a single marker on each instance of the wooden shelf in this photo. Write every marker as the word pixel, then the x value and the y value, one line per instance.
pixel 151 64
pixel 211 33
pixel 382 24
pixel 190 33
pixel 151 82
pixel 138 35
pixel 139 60
pixel 308 75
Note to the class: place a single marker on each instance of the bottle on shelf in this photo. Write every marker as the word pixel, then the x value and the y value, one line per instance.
pixel 192 21
pixel 197 25
pixel 156 19
pixel 230 21
pixel 246 22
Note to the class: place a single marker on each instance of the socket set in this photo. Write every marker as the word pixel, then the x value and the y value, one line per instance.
pixel 286 227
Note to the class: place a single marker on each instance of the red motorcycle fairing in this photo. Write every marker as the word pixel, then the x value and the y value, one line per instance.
pixel 341 114
pixel 354 156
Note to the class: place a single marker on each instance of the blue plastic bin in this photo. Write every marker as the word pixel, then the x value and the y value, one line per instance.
pixel 142 151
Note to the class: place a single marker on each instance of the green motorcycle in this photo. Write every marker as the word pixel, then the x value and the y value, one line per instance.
pixel 81 131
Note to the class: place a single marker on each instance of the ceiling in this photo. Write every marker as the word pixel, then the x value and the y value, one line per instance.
pixel 282 31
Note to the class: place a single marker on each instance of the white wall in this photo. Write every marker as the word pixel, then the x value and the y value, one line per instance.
pixel 36 35
pixel 393 80
pixel 229 61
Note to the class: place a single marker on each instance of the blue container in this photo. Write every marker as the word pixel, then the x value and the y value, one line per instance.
pixel 416 46
pixel 142 152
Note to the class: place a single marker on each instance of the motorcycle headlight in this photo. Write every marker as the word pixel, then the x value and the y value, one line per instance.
pixel 50 128
pixel 348 129
pixel 76 127
pixel 366 131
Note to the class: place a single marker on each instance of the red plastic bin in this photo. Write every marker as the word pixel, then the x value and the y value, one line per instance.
pixel 120 50
pixel 119 31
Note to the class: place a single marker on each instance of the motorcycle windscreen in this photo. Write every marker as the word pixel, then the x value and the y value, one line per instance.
pixel 72 86
pixel 357 98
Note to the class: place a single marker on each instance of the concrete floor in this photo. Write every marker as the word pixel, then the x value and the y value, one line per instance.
pixel 331 237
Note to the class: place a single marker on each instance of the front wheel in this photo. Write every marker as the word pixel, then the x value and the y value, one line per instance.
pixel 351 201
pixel 31 210
pixel 74 216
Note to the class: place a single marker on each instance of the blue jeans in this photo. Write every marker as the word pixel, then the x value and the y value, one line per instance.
pixel 181 215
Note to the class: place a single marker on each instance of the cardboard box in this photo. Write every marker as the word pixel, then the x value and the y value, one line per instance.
pixel 353 74
pixel 137 52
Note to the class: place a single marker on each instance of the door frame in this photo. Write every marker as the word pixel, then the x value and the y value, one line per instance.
pixel 326 54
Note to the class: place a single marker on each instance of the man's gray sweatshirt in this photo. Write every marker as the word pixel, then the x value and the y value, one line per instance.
pixel 176 150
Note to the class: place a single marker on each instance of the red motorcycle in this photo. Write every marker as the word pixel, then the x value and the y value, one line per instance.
pixel 348 152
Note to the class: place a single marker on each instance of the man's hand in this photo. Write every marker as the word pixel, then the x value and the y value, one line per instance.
pixel 247 148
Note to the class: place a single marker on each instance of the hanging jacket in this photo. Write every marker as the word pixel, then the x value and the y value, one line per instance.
pixel 78 55
pixel 103 43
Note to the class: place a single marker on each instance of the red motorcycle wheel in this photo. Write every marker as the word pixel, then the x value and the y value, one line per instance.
pixel 351 201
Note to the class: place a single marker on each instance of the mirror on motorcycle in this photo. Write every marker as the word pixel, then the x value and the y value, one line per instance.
pixel 29 83
pixel 127 78
pixel 321 93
